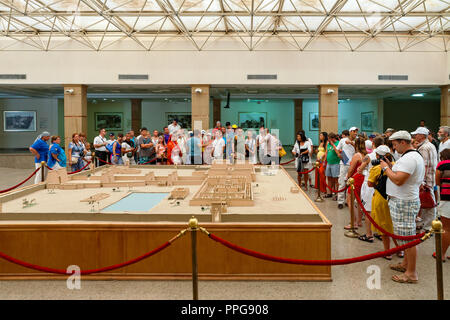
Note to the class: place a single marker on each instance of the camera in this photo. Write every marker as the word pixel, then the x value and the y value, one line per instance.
pixel 378 161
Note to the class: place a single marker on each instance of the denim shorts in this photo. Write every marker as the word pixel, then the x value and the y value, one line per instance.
pixel 332 170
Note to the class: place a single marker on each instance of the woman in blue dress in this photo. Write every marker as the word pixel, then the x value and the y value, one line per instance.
pixel 56 155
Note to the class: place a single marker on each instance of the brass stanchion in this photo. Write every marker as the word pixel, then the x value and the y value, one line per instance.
pixel 93 161
pixel 319 196
pixel 42 170
pixel 193 227
pixel 351 233
pixel 437 230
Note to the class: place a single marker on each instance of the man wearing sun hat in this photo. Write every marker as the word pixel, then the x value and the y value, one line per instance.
pixel 430 159
pixel 404 180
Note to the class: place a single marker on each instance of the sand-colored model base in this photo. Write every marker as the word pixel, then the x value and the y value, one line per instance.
pixel 85 234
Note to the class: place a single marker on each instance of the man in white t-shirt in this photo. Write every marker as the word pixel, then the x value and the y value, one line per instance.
pixel 444 138
pixel 100 144
pixel 346 150
pixel 174 126
pixel 404 180
pixel 261 143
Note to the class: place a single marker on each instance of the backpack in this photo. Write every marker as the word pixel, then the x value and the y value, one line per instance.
pixel 110 146
pixel 381 184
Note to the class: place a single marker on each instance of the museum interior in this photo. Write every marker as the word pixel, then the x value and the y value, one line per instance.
pixel 229 228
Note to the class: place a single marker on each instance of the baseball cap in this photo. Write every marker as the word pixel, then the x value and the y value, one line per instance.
pixel 382 150
pixel 111 134
pixel 389 130
pixel 421 130
pixel 353 129
pixel 234 126
pixel 203 131
pixel 372 136
pixel 400 135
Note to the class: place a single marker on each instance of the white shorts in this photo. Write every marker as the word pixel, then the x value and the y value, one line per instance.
pixel 366 196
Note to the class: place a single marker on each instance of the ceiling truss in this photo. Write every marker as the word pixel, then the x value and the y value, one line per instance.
pixel 148 25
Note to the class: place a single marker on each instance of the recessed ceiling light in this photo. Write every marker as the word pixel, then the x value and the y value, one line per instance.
pixel 417 94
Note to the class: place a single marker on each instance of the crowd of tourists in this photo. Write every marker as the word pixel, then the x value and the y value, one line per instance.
pixel 402 179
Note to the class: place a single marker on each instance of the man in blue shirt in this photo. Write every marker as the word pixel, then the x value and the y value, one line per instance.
pixel 194 148
pixel 40 150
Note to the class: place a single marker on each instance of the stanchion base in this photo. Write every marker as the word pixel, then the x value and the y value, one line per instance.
pixel 351 234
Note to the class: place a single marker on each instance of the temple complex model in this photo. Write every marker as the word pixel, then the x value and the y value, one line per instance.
pixel 112 213
pixel 228 185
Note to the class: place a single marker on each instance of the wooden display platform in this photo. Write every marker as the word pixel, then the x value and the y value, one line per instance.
pixel 101 240
pixel 94 245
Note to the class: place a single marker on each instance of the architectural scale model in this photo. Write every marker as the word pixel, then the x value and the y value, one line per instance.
pixel 114 177
pixel 228 184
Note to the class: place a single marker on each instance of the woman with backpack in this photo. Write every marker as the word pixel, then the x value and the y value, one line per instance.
pixel 380 208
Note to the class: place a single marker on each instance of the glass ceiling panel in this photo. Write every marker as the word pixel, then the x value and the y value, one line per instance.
pixel 415 17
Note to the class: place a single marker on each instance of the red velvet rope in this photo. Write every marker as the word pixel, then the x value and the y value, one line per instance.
pixel 336 191
pixel 81 168
pixel 394 236
pixel 306 172
pixel 283 163
pixel 85 272
pixel 264 256
pixel 19 184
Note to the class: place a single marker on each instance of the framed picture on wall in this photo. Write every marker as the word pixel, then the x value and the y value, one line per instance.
pixel 252 120
pixel 367 121
pixel 19 120
pixel 184 119
pixel 109 121
pixel 313 121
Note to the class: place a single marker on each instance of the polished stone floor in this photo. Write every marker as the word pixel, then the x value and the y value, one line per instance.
pixel 349 281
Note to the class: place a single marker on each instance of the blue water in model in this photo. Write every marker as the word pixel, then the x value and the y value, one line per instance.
pixel 136 201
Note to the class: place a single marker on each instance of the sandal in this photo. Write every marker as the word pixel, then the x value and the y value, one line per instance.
pixel 403 279
pixel 364 237
pixel 349 227
pixel 400 254
pixel 397 267
pixel 376 235
pixel 328 195
pixel 388 257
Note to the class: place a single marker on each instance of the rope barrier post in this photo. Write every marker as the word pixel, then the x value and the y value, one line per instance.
pixel 43 163
pixel 319 196
pixel 93 161
pixel 437 230
pixel 193 227
pixel 352 233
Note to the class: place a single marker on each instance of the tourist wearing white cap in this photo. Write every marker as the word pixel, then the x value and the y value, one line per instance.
pixel 404 180
pixel 429 155
pixel 208 147
pixel 346 149
pixel 444 138
pixel 40 150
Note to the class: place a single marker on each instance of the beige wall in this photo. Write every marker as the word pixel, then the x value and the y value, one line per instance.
pixel 227 67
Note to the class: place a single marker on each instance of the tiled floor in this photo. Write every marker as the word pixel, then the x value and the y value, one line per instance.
pixel 349 281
